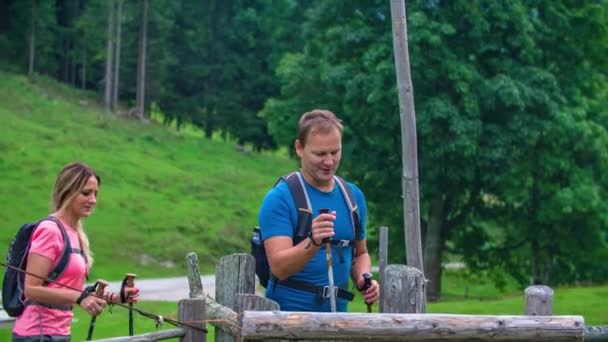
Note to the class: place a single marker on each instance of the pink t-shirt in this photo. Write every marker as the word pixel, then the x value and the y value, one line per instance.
pixel 48 242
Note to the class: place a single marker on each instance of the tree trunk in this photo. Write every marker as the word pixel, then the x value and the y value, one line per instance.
pixel 65 17
pixel 141 64
pixel 83 76
pixel 30 72
pixel 433 248
pixel 107 102
pixel 5 15
pixel 534 251
pixel 117 54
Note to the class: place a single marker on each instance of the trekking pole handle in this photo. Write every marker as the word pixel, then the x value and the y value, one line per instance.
pixel 130 282
pixel 324 211
pixel 101 287
pixel 367 278
pixel 367 283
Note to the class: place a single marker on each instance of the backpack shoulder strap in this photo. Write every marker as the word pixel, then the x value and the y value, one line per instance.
pixel 295 183
pixel 351 203
pixel 67 250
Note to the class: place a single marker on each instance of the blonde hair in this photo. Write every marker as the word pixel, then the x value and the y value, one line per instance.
pixel 70 182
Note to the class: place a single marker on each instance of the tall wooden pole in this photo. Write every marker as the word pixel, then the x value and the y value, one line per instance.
pixel 409 146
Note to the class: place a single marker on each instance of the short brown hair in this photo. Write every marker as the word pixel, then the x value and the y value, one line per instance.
pixel 318 119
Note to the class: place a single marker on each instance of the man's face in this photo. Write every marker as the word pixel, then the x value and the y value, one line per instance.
pixel 320 157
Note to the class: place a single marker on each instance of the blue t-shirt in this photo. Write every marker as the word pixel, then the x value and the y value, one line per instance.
pixel 278 216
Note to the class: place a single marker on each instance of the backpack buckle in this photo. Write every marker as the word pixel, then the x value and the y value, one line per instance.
pixel 344 243
pixel 326 292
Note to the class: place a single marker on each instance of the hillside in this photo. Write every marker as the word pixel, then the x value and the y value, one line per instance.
pixel 163 193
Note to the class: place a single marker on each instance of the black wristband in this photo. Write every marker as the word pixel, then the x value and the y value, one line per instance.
pixel 82 296
pixel 313 241
pixel 87 291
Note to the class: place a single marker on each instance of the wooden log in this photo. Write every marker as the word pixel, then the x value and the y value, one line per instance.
pixel 148 337
pixel 194 276
pixel 266 325
pixel 234 274
pixel 403 290
pixel 383 259
pixel 253 302
pixel 192 312
pixel 596 333
pixel 539 300
pixel 221 317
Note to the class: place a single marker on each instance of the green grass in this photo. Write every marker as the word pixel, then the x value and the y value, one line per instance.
pixel 162 195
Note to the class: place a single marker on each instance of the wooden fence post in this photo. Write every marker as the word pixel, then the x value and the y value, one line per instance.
pixel 403 288
pixel 234 274
pixel 383 257
pixel 194 276
pixel 539 300
pixel 253 302
pixel 192 312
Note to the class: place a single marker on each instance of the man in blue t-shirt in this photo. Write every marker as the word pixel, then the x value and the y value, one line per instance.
pixel 300 272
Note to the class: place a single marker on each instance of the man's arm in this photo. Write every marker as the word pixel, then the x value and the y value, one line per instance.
pixel 361 264
pixel 286 259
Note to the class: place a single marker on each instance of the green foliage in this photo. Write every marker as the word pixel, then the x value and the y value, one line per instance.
pixel 162 194
pixel 510 145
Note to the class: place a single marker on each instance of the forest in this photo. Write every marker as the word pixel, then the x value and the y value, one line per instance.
pixel 511 101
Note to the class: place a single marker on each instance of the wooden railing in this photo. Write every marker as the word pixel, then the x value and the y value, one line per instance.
pixel 240 315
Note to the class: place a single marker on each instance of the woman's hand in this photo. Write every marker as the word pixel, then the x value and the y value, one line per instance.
pixel 93 305
pixel 131 294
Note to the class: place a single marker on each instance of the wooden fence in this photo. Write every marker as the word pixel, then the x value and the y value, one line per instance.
pixel 240 315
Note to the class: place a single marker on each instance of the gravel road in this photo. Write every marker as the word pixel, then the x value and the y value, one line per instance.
pixel 168 289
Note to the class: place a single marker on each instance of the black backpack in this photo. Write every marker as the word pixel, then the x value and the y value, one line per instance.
pixel 13 297
pixel 296 187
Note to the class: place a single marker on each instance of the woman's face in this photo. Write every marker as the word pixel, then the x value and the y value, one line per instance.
pixel 85 201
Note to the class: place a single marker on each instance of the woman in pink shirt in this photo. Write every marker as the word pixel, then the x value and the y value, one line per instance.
pixel 48 312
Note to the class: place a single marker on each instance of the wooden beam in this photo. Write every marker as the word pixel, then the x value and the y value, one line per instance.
pixel 266 325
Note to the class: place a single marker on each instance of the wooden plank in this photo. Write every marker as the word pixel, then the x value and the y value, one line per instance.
pixel 255 302
pixel 403 290
pixel 266 325
pixel 383 259
pixel 192 312
pixel 234 274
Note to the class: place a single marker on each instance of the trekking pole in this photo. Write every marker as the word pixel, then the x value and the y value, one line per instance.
pixel 101 286
pixel 129 282
pixel 330 271
pixel 367 277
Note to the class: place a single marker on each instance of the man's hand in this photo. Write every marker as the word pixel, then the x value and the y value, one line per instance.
pixel 372 293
